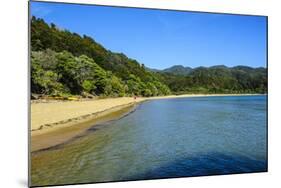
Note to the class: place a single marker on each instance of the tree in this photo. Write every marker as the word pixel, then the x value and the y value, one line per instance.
pixel 88 86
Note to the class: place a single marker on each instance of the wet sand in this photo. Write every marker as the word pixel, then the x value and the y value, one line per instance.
pixel 45 139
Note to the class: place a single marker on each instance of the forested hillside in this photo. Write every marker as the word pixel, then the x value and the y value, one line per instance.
pixel 216 79
pixel 64 63
pixel 178 70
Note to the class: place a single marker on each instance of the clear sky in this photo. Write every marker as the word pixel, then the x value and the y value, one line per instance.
pixel 160 38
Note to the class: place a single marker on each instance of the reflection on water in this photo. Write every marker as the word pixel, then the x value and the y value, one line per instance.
pixel 164 138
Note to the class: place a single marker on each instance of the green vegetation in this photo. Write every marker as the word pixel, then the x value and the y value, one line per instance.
pixel 61 73
pixel 218 79
pixel 65 64
pixel 178 69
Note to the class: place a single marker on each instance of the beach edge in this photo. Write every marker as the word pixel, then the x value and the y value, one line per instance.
pixel 53 134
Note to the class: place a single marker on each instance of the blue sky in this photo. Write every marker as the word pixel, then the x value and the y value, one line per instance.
pixel 160 39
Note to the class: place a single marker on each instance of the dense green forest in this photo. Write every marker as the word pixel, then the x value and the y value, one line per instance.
pixel 64 64
pixel 217 79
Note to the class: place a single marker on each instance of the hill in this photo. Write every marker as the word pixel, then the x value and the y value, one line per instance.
pixel 178 70
pixel 218 79
pixel 63 62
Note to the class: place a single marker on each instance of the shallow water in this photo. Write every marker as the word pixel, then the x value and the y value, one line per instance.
pixel 164 138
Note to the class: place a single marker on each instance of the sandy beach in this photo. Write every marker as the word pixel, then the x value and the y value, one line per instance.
pixel 55 122
pixel 49 114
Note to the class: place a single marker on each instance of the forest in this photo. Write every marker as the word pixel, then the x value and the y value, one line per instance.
pixel 64 63
pixel 216 79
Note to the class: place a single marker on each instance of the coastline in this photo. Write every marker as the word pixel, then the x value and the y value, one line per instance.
pixel 56 122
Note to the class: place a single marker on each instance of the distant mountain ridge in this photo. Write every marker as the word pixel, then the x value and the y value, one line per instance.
pixel 178 69
pixel 184 71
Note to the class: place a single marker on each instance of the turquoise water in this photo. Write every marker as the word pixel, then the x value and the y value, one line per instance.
pixel 162 139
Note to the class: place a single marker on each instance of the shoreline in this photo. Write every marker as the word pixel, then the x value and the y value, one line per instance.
pixel 50 128
pixel 47 139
